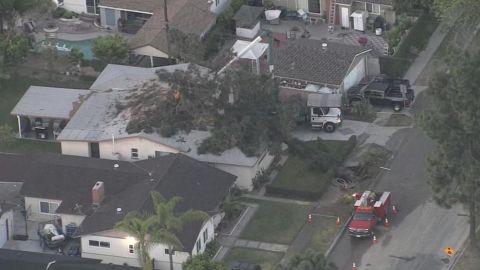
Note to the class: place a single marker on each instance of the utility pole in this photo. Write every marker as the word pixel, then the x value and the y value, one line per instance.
pixel 165 15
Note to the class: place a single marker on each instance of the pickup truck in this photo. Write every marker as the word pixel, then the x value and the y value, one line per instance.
pixel 385 92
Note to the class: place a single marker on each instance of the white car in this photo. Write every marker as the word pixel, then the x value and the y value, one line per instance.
pixel 325 118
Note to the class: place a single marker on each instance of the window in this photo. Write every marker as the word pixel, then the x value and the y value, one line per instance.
pixel 205 235
pixel 167 250
pixel 217 2
pixel 48 208
pixel 317 111
pixel 199 245
pixel 134 152
pixel 161 154
pixel 373 8
pixel 131 250
pixel 93 243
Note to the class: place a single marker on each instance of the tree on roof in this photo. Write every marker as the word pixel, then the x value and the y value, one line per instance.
pixel 453 123
pixel 166 223
pixel 139 225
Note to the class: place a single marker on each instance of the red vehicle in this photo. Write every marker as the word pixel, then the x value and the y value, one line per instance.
pixel 370 208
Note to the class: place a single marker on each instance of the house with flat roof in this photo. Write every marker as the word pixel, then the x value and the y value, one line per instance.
pixel 306 66
pixel 92 195
pixel 96 128
pixel 146 20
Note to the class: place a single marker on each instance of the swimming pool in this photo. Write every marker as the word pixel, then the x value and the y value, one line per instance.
pixel 64 46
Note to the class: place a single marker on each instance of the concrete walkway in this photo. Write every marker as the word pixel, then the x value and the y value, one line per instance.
pixel 424 57
pixel 276 199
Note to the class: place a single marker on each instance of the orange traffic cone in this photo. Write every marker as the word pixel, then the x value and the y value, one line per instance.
pixel 338 221
pixel 387 222
pixel 354 266
pixel 309 219
pixel 375 239
pixel 394 210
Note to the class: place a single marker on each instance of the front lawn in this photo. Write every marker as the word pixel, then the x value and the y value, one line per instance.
pixel 399 120
pixel 276 222
pixel 300 177
pixel 267 260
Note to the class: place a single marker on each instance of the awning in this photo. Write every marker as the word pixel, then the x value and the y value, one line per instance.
pixel 254 53
pixel 324 100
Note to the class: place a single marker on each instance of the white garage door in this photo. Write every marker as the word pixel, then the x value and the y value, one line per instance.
pixel 355 76
pixel 3 232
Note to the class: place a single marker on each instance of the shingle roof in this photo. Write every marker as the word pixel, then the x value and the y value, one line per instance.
pixel 13 167
pixel 187 16
pixel 248 16
pixel 306 59
pixel 38 100
pixel 70 179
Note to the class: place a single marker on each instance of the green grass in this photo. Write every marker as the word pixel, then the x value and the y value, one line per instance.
pixel 276 222
pixel 418 36
pixel 267 260
pixel 470 259
pixel 399 120
pixel 11 90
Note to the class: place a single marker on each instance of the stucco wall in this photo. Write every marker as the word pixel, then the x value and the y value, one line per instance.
pixel 67 219
pixel 77 6
pixel 218 6
pixel 32 205
pixel 75 148
pixel 248 33
pixel 6 217
pixel 124 146
pixel 356 73
pixel 118 252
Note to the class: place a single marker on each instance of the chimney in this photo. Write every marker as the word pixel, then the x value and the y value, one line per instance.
pixel 98 193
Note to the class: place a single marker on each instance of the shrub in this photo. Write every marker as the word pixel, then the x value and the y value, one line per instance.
pixel 211 249
pixel 6 135
pixel 75 56
pixel 260 179
pixel 59 12
pixel 110 49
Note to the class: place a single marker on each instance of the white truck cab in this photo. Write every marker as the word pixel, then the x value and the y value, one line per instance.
pixel 324 111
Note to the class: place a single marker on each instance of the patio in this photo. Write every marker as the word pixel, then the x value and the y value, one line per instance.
pixel 319 30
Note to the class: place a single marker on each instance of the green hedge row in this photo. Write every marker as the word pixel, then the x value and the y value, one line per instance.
pixel 417 38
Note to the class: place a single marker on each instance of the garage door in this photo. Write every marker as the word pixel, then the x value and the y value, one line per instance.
pixel 356 75
pixel 3 232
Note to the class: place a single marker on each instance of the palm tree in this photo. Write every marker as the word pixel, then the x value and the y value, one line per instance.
pixel 167 223
pixel 139 225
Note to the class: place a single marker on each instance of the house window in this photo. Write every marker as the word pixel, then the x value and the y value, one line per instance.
pixel 93 243
pixel 134 152
pixel 199 245
pixel 373 8
pixel 131 249
pixel 167 251
pixel 48 207
pixel 217 2
pixel 105 244
pixel 205 235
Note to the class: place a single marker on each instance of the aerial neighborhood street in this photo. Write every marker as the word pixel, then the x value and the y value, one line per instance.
pixel 239 134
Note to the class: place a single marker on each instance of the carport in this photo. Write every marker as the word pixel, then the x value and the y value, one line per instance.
pixel 42 112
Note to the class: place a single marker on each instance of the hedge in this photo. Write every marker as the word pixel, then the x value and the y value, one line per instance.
pixel 394 67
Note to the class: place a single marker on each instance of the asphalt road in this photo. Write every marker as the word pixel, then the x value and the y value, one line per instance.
pixel 418 233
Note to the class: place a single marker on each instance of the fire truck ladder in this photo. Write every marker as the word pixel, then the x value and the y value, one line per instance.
pixel 331 15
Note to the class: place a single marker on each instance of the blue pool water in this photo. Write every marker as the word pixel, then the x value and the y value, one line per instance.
pixel 64 46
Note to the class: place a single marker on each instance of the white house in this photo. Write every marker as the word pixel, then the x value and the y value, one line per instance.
pixel 79 6
pixel 92 195
pixel 305 65
pixel 145 19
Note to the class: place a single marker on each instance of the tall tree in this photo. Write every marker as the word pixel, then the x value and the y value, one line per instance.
pixel 111 49
pixel 10 9
pixel 167 224
pixel 451 10
pixel 139 226
pixel 453 122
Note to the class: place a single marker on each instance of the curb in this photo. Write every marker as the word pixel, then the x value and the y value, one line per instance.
pixel 464 248
pixel 337 238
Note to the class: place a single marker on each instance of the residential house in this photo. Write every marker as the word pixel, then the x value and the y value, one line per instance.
pixel 146 20
pixel 247 21
pixel 79 6
pixel 345 11
pixel 94 194
pixel 312 7
pixel 304 66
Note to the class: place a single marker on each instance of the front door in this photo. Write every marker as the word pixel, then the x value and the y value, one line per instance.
pixel 94 150
pixel 345 18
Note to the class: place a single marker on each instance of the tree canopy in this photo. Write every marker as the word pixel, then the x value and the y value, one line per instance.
pixel 202 262
pixel 110 49
pixel 309 260
pixel 453 122
pixel 450 10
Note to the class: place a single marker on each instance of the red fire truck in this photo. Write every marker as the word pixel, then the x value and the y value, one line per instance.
pixel 370 208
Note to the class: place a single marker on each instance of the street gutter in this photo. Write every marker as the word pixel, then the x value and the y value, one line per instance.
pixel 337 238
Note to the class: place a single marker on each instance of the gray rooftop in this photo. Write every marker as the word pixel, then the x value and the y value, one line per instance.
pixel 50 102
pixel 308 60
pixel 248 16
pixel 98 118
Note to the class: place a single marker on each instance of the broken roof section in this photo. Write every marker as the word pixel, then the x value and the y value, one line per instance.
pixel 50 102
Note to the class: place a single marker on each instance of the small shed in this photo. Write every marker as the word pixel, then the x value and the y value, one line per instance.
pixel 247 21
pixel 324 100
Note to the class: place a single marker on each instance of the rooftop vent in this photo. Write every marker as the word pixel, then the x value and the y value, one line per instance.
pixel 324 46
pixel 119 211
pixel 115 166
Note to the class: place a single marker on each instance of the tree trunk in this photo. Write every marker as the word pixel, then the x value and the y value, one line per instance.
pixel 473 220
pixel 170 257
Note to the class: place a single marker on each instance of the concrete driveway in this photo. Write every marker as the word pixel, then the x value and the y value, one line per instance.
pixel 420 230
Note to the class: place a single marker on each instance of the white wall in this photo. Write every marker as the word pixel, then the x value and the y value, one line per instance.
pixel 222 5
pixel 75 148
pixel 6 219
pixel 124 146
pixel 77 6
pixel 357 72
pixel 248 33
pixel 118 253
pixel 32 205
